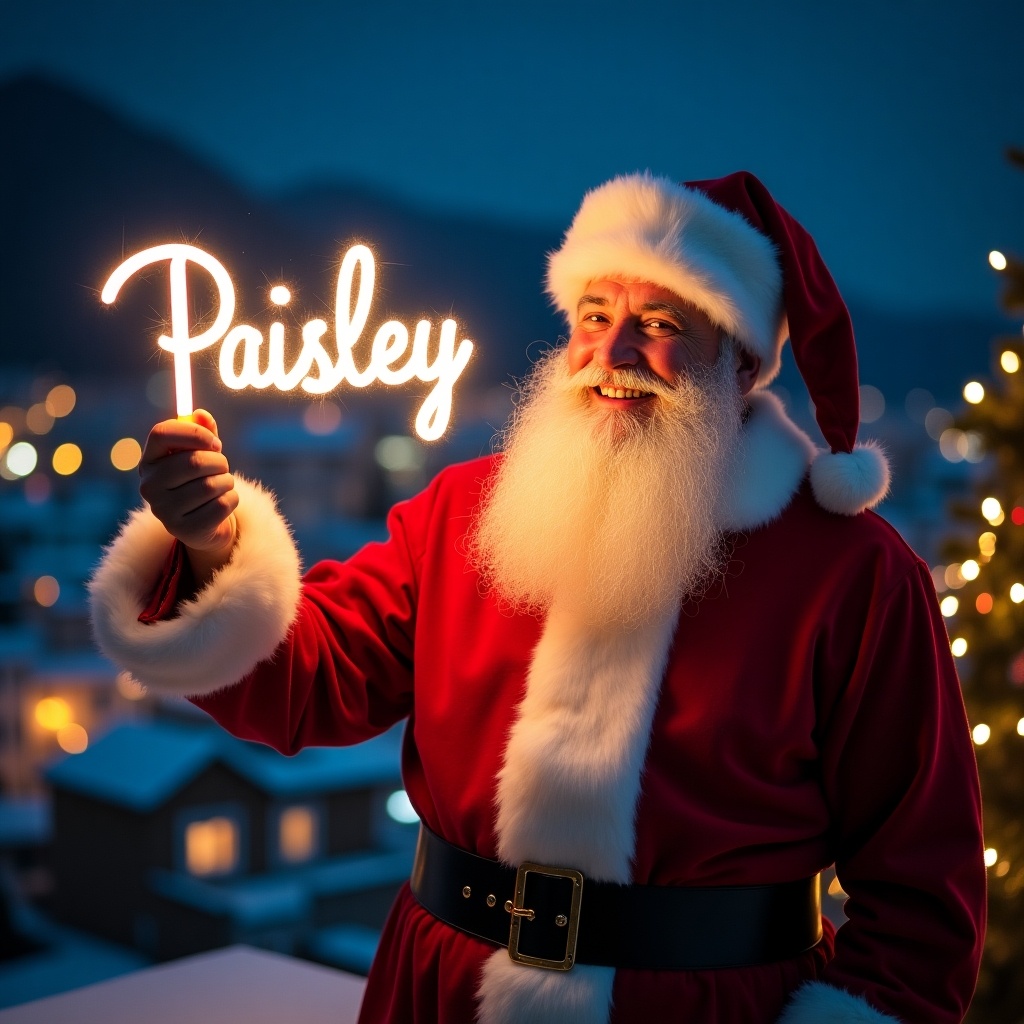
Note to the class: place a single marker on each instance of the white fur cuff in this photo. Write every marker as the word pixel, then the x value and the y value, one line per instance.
pixel 818 1003
pixel 232 624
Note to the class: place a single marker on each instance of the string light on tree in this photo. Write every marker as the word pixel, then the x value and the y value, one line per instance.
pixel 988 641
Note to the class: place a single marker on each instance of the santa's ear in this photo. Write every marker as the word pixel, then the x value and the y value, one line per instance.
pixel 748 366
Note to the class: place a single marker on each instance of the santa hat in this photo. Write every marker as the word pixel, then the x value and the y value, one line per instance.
pixel 726 246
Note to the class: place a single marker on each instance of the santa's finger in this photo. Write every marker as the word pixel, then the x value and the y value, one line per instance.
pixel 176 435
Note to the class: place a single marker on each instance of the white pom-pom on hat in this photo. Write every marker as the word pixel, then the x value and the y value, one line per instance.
pixel 850 482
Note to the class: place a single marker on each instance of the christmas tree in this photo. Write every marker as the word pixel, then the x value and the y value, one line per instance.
pixel 985 612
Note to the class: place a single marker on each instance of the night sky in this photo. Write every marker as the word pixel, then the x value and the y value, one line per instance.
pixel 881 125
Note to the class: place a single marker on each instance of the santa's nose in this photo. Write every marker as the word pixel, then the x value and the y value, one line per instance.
pixel 618 346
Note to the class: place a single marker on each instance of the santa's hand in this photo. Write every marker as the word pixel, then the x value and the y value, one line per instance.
pixel 186 481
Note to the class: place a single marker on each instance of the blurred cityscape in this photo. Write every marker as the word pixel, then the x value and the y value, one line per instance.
pixel 131 830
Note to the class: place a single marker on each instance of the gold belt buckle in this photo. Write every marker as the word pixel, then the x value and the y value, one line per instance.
pixel 519 911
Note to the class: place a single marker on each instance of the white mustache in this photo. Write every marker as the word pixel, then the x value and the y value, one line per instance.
pixel 628 377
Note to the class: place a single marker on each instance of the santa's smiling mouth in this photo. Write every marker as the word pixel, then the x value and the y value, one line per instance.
pixel 609 392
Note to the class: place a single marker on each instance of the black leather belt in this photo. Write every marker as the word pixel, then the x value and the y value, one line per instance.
pixel 553 917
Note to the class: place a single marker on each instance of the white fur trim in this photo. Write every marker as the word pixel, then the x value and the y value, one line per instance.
pixel 644 228
pixel 850 482
pixel 513 994
pixel 818 1003
pixel 233 623
pixel 773 457
pixel 568 789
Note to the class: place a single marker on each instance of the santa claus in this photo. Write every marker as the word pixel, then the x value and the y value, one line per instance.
pixel 658 662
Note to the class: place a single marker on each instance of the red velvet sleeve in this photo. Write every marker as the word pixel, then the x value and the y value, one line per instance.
pixel 345 671
pixel 899 771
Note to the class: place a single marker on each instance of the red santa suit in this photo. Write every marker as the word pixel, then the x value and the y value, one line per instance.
pixel 805 711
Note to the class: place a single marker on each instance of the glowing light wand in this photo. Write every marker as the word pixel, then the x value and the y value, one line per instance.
pixel 180 343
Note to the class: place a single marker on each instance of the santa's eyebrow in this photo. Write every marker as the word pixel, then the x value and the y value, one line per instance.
pixel 666 307
pixel 591 300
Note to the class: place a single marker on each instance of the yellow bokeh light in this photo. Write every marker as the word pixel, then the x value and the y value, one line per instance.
pixel 125 454
pixel 38 419
pixel 72 738
pixel 970 569
pixel 60 401
pixel 1003 868
pixel 981 733
pixel 1020 727
pixel 46 590
pixel 949 605
pixel 991 857
pixel 67 459
pixel 280 295
pixel 991 509
pixel 974 392
pixel 53 713
pixel 953 577
pixel 958 647
pixel 6 435
pixel 1017 593
pixel 987 544
pixel 1010 361
pixel 997 260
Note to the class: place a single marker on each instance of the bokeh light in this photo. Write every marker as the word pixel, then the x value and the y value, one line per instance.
pixel 987 544
pixel 981 733
pixel 918 403
pixel 322 418
pixel 46 591
pixel 1017 593
pixel 872 404
pixel 60 400
pixel 958 647
pixel 991 856
pixel 953 577
pixel 53 713
pixel 997 260
pixel 936 421
pixel 1010 361
pixel 398 453
pixel 400 808
pixel 125 454
pixel 38 419
pixel 970 569
pixel 991 509
pixel 280 295
pixel 6 434
pixel 974 392
pixel 983 603
pixel 948 606
pixel 67 459
pixel 21 458
pixel 72 739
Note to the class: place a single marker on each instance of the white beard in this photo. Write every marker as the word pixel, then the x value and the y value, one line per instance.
pixel 613 513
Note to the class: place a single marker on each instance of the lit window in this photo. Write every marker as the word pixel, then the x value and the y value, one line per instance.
pixel 211 846
pixel 297 834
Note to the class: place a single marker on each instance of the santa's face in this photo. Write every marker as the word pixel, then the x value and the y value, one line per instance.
pixel 641 327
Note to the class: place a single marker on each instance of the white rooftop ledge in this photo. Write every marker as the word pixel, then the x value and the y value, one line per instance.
pixel 238 985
